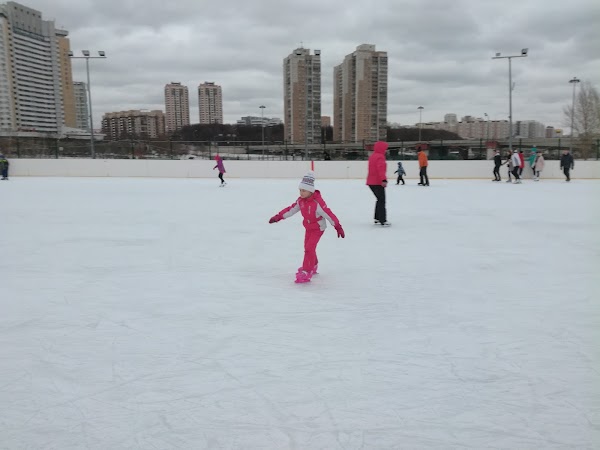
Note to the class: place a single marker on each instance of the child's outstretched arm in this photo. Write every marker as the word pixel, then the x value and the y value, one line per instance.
pixel 285 213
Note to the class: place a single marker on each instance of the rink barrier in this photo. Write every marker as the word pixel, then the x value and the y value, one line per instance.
pixel 274 169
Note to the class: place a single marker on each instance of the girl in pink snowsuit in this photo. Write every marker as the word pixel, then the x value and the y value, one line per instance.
pixel 221 168
pixel 316 214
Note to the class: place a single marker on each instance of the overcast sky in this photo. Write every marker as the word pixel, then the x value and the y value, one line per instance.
pixel 439 51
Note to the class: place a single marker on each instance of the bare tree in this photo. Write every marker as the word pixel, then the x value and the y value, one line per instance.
pixel 586 118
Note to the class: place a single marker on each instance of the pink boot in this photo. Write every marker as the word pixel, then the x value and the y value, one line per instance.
pixel 303 277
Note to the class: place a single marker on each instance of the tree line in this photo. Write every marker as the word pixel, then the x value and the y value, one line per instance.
pixel 253 133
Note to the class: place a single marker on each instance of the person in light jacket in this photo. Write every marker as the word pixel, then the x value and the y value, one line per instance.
pixel 516 161
pixel 401 172
pixel 540 162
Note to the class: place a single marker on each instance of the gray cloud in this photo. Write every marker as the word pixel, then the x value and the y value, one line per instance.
pixel 439 52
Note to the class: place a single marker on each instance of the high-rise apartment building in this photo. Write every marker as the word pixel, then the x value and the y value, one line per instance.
pixel 66 78
pixel 302 96
pixel 360 92
pixel 177 107
pixel 210 103
pixel 82 114
pixel 133 124
pixel 36 88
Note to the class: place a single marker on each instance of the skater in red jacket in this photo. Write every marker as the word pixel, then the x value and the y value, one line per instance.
pixel 316 214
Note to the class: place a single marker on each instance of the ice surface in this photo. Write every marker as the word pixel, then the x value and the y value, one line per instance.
pixel 163 313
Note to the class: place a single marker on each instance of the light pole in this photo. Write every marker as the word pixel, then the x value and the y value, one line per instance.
pixel 574 80
pixel 87 57
pixel 510 89
pixel 420 108
pixel 262 125
pixel 487 133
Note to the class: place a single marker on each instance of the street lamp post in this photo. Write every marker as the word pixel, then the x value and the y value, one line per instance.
pixel 420 108
pixel 262 125
pixel 510 89
pixel 487 133
pixel 574 81
pixel 87 57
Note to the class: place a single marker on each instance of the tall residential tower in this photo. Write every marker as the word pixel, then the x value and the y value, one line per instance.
pixel 177 107
pixel 302 96
pixel 210 103
pixel 360 92
pixel 36 85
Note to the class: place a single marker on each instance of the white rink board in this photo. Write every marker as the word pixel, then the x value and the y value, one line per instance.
pixel 272 169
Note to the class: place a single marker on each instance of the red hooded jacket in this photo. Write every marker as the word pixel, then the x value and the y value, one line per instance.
pixel 377 165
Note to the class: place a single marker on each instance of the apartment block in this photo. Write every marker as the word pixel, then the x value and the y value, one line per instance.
pixel 210 103
pixel 36 88
pixel 177 107
pixel 360 93
pixel 82 114
pixel 259 120
pixel 133 124
pixel 302 96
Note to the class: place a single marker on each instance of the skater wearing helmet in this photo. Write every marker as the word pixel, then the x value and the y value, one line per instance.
pixel 316 215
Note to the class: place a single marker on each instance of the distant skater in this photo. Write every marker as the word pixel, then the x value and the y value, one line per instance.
pixel 316 215
pixel 540 162
pixel 401 172
pixel 566 164
pixel 4 167
pixel 497 164
pixel 221 168
pixel 509 166
pixel 521 163
pixel 423 163
pixel 516 161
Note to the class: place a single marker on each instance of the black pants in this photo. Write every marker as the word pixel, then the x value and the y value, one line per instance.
pixel 566 171
pixel 221 178
pixel 5 172
pixel 400 179
pixel 380 212
pixel 520 171
pixel 497 173
pixel 423 174
pixel 516 173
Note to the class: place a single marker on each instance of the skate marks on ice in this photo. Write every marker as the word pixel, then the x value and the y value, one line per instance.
pixel 185 329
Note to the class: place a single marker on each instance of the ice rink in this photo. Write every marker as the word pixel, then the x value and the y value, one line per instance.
pixel 162 314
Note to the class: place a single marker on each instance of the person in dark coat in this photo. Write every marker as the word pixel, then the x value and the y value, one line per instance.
pixel 497 164
pixel 567 163
pixel 4 167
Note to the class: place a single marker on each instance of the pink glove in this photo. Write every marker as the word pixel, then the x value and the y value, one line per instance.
pixel 275 218
pixel 340 231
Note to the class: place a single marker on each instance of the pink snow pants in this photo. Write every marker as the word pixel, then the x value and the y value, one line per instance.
pixel 311 239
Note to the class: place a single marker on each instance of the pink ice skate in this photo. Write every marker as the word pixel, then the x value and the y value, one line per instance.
pixel 303 276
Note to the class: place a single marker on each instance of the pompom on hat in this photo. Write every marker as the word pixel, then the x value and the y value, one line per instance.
pixel 308 182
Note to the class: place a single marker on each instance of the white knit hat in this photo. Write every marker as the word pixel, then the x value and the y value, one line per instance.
pixel 308 182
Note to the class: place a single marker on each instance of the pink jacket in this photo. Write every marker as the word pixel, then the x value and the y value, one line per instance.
pixel 314 210
pixel 219 164
pixel 377 165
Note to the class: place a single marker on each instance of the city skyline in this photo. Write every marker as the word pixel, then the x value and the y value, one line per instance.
pixel 447 67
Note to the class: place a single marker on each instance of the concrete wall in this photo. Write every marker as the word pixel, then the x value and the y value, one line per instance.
pixel 270 169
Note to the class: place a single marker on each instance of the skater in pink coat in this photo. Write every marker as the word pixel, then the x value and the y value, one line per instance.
pixel 316 214
pixel 221 168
